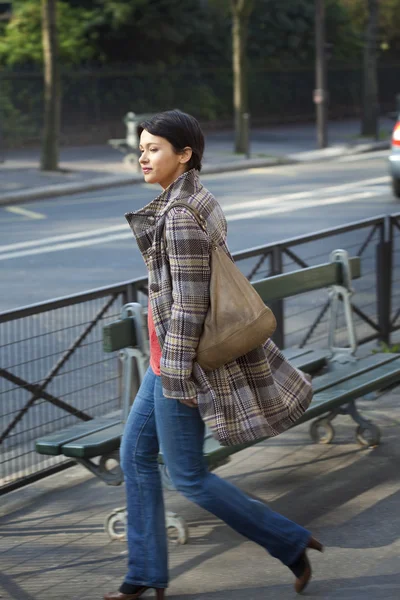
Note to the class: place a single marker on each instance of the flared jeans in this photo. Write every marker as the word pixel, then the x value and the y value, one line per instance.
pixel 155 421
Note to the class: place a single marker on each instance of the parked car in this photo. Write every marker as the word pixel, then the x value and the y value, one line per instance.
pixel 394 159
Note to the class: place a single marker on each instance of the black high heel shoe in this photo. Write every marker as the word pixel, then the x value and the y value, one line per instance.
pixel 136 593
pixel 302 567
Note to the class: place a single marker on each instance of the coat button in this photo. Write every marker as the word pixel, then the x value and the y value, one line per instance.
pixel 154 287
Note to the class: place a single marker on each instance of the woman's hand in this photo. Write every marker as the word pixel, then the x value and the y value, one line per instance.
pixel 191 402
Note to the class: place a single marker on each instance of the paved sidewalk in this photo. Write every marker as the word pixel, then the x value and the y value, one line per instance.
pixel 97 167
pixel 53 545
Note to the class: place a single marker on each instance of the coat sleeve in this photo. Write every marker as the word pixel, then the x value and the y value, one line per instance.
pixel 189 258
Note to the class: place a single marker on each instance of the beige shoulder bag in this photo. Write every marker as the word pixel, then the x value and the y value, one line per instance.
pixel 237 320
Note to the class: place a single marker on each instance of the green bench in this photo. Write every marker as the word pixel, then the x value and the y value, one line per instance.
pixel 344 379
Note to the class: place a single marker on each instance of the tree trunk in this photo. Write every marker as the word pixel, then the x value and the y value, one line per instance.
pixel 241 10
pixel 52 96
pixel 370 101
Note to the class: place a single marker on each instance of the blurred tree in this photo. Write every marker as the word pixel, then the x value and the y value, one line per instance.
pixel 370 115
pixel 241 11
pixel 52 96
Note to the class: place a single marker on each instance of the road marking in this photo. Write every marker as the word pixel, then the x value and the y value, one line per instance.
pixel 63 238
pixel 287 172
pixel 263 202
pixel 67 246
pixel 364 156
pixel 307 194
pixel 263 207
pixel 292 206
pixel 18 210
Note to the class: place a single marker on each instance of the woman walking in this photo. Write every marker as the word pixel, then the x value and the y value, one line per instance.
pixel 165 412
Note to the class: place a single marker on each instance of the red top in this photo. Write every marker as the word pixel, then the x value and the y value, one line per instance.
pixel 155 349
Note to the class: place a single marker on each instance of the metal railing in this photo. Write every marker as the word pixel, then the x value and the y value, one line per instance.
pixel 54 373
pixel 394 266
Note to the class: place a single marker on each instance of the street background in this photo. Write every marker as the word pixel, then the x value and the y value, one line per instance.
pixel 298 100
pixel 67 244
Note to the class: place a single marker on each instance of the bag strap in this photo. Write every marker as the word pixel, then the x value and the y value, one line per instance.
pixel 198 216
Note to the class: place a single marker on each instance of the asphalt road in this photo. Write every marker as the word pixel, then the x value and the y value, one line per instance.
pixel 64 245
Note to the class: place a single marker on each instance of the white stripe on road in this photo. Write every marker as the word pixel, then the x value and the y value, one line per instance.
pixel 262 212
pixel 261 203
pixel 64 238
pixel 307 194
pixel 291 206
pixel 18 210
pixel 57 247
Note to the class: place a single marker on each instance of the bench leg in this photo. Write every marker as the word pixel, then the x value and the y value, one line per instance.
pixel 116 523
pixel 367 433
pixel 111 476
pixel 177 529
pixel 321 430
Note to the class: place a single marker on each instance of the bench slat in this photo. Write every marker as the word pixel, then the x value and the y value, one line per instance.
pixel 292 353
pixel 334 388
pixel 352 389
pixel 310 361
pixel 52 444
pixel 119 334
pixel 304 280
pixel 340 373
pixel 95 444
pixel 323 402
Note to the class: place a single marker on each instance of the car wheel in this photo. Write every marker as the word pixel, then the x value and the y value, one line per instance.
pixel 396 187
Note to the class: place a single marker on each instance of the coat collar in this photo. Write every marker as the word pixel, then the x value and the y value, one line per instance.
pixel 144 222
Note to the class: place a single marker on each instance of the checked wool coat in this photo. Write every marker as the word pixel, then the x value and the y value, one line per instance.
pixel 258 395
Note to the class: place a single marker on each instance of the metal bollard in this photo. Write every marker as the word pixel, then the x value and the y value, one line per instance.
pixel 132 140
pixel 246 133
pixel 131 123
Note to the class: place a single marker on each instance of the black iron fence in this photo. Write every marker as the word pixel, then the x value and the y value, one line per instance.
pixel 96 99
pixel 53 371
pixel 395 272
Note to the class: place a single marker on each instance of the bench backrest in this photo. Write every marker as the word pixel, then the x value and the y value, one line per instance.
pixel 301 281
pixel 121 334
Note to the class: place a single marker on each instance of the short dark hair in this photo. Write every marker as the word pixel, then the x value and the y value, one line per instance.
pixel 181 130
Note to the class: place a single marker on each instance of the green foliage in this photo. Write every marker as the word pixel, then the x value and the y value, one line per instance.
pixel 389 23
pixel 16 126
pixel 387 349
pixel 282 29
pixel 194 33
pixel 21 38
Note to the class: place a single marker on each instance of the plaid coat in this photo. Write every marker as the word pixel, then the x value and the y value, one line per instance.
pixel 258 395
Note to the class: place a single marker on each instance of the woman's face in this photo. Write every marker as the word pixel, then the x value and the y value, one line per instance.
pixel 159 162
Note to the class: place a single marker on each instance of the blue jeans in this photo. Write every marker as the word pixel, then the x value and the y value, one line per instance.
pixel 156 421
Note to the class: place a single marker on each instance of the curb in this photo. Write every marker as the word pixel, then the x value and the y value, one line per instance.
pixel 102 183
pixel 55 190
pixel 61 189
